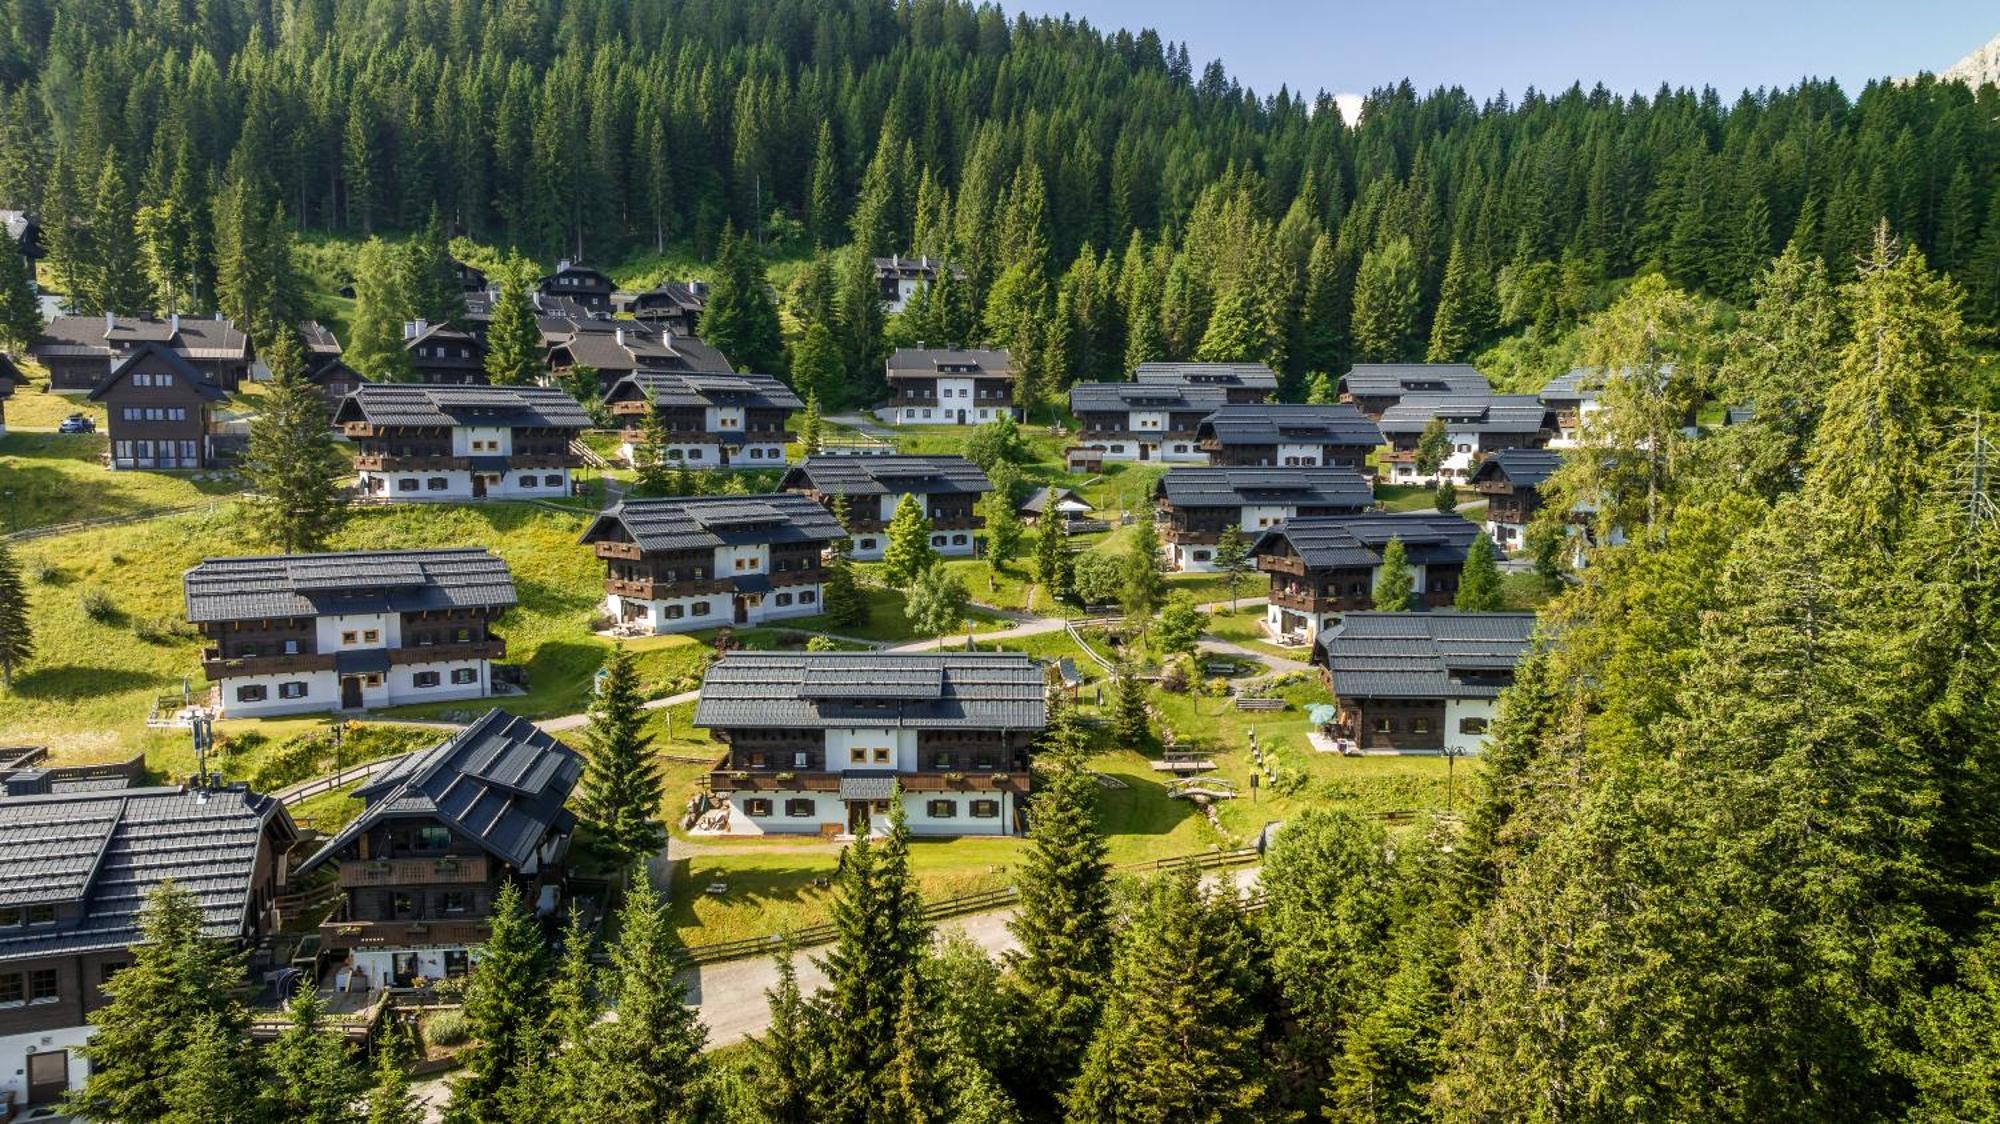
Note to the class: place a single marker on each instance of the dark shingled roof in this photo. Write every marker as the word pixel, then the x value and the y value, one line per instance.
pixel 187 371
pixel 417 404
pixel 1123 396
pixel 1573 385
pixel 1468 413
pixel 107 849
pixel 1043 498
pixel 1522 467
pixel 623 346
pixel 704 388
pixel 1273 424
pixel 887 476
pixel 1343 541
pixel 1393 380
pixel 1424 655
pixel 192 336
pixel 1225 375
pixel 911 362
pixel 915 269
pixel 500 782
pixel 307 585
pixel 694 522
pixel 1241 487
pixel 964 690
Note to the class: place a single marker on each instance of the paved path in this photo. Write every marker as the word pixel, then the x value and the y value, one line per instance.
pixel 863 425
pixel 1276 663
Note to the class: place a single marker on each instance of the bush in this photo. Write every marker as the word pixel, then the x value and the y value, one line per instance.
pixel 41 571
pixel 162 630
pixel 1098 577
pixel 447 1028
pixel 96 604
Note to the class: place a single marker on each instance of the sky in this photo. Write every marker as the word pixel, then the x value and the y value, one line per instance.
pixel 1351 46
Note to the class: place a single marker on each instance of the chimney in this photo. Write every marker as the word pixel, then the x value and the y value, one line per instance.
pixel 110 321
pixel 174 321
pixel 620 333
pixel 562 266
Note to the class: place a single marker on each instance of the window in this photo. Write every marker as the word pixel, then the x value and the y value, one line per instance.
pixel 865 544
pixel 674 612
pixel 10 917
pixel 857 756
pixel 757 806
pixel 1203 555
pixel 254 694
pixel 13 989
pixel 402 904
pixel 941 761
pixel 407 484
pixel 699 608
pixel 452 901
pixel 800 809
pixel 528 481
pixel 1383 726
pixel 784 598
pixel 372 679
pixel 293 690
pixel 1420 725
pixel 437 484
pixel 42 986
pixel 349 637
pixel 801 760
pixel 465 675
pixel 371 636
pixel 41 915
pixel 807 597
pixel 941 809
pixel 958 540
pixel 552 480
pixel 1472 725
pixel 881 755
pixel 985 809
pixel 433 837
pixel 757 761
pixel 426 679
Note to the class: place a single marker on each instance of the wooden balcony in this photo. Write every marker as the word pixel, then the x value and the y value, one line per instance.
pixel 628 551
pixel 448 870
pixel 1281 564
pixel 214 666
pixel 772 780
pixel 401 934
pixel 408 462
pixel 491 648
pixel 648 589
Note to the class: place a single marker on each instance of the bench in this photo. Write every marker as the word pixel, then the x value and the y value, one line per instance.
pixel 1218 667
pixel 1260 704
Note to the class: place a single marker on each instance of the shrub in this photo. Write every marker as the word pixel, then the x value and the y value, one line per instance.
pixel 447 1028
pixel 162 630
pixel 96 604
pixel 41 571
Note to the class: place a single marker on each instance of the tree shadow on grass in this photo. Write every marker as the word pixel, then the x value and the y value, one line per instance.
pixel 73 681
pixel 1140 808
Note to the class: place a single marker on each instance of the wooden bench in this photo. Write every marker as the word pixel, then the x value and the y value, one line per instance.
pixel 1260 704
pixel 1219 667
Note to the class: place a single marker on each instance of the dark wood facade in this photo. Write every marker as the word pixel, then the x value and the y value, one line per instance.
pixel 156 408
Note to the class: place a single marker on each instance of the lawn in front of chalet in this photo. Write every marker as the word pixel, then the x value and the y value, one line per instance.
pixel 50 478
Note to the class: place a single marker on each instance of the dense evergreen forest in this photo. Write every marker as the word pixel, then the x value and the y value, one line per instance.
pixel 1110 202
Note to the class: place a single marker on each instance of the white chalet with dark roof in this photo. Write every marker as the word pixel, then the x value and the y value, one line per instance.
pixel 1144 421
pixel 1421 682
pixel 416 442
pixel 711 419
pixel 947 488
pixel 940 386
pixel 1197 504
pixel 1476 427
pixel 297 633
pixel 820 743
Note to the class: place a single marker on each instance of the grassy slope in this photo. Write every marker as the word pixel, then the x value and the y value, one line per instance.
pixel 46 479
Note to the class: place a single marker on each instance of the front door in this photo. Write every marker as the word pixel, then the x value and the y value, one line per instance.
pixel 1145 451
pixel 48 1076
pixel 857 818
pixel 961 417
pixel 742 610
pixel 350 692
pixel 478 485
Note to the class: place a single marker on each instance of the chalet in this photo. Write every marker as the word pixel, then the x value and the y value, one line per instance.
pixel 471 278
pixel 461 442
pixel 444 354
pixel 1081 460
pixel 1241 383
pixel 1291 436
pixel 1476 426
pixel 901 277
pixel 439 834
pixel 335 380
pixel 80 350
pixel 821 743
pixel 1573 397
pixel 669 305
pixel 949 387
pixel 616 349
pixel 297 633
pixel 1374 387
pixel 10 377
pixel 157 409
pixel 947 488
pixel 1198 504
pixel 1511 480
pixel 711 419
pixel 1065 502
pixel 674 565
pixel 1420 682
pixel 1144 421
pixel 1321 568
pixel 75 871
pixel 588 287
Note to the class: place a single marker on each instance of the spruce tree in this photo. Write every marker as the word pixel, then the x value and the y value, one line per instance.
pixel 430 276
pixel 514 353
pixel 1232 556
pixel 783 1084
pixel 1177 1039
pixel 818 372
pixel 1433 446
pixel 826 191
pixel 575 1009
pixel 505 1001
pixel 1479 580
pixel 294 466
pixel 909 551
pixel 211 1080
pixel 1445 497
pixel 646 1064
pixel 622 788
pixel 860 325
pixel 20 312
pixel 117 282
pixel 1003 527
pixel 1328 884
pixel 1395 589
pixel 375 330
pixel 1386 304
pixel 809 426
pixel 1131 723
pixel 1052 557
pixel 389 1100
pixel 654 474
pixel 738 318
pixel 17 632
pixel 312 1078
pixel 1461 318
pixel 1142 587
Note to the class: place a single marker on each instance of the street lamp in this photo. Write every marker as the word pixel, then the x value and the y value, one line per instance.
pixel 1451 756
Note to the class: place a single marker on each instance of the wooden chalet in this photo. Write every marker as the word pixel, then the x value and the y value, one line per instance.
pixel 711 419
pixel 1511 480
pixel 1321 568
pixel 899 278
pixel 1374 387
pixel 158 410
pixel 947 488
pixel 671 306
pixel 1289 436
pixel 617 349
pixel 1420 682
pixel 1476 427
pixel 1144 421
pixel 1197 504
pixel 940 386
pixel 80 351
pixel 589 288
pixel 444 354
pixel 1241 383
pixel 424 443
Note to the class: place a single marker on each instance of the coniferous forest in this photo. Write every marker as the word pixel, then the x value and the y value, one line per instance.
pixel 1735 847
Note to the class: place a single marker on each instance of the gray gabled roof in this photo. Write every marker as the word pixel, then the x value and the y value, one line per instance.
pixel 192 336
pixel 500 782
pixel 911 362
pixel 1342 541
pixel 187 372
pixel 1253 375
pixel 626 346
pixel 704 388
pixel 1393 380
pixel 1441 655
pixel 960 690
pixel 1280 423
pixel 887 476
pixel 107 849
pixel 307 585
pixel 1043 498
pixel 1123 396
pixel 1468 413
pixel 695 522
pixel 1243 487
pixel 1521 466
pixel 418 404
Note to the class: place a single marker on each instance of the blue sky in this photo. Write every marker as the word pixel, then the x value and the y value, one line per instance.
pixel 1491 45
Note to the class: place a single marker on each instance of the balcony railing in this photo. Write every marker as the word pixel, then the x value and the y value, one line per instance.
pixel 766 780
pixel 214 666
pixel 444 870
pixel 339 932
pixel 491 648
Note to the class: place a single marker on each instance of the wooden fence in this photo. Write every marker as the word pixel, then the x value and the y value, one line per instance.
pixel 106 521
pixel 306 790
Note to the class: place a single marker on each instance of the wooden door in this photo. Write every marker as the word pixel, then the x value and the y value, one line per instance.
pixel 350 692
pixel 48 1076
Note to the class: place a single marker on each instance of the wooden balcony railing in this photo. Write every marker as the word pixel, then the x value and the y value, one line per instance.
pixel 761 780
pixel 214 666
pixel 449 870
pixel 491 648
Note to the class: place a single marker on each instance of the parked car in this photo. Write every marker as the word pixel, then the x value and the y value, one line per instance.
pixel 77 423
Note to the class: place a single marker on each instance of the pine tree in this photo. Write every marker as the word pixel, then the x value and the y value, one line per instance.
pixel 622 788
pixel 1003 527
pixel 1395 589
pixel 1177 1039
pixel 293 465
pixel 1327 922
pixel 17 631
pixel 817 369
pixel 116 281
pixel 430 276
pixel 375 331
pixel 809 427
pixel 312 1079
pixel 783 1083
pixel 1779 361
pixel 823 203
pixel 1446 497
pixel 909 551
pixel 20 312
pixel 1433 446
pixel 1479 580
pixel 389 1100
pixel 860 325
pixel 646 1065
pixel 576 1008
pixel 1052 557
pixel 1131 724
pixel 1463 314
pixel 738 317
pixel 1386 304
pixel 505 1001
pixel 180 984
pixel 212 1081
pixel 514 354
pixel 655 470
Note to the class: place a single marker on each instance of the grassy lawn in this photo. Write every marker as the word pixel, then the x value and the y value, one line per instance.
pixel 1406 497
pixel 47 478
pixel 36 408
pixel 1245 627
pixel 886 622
